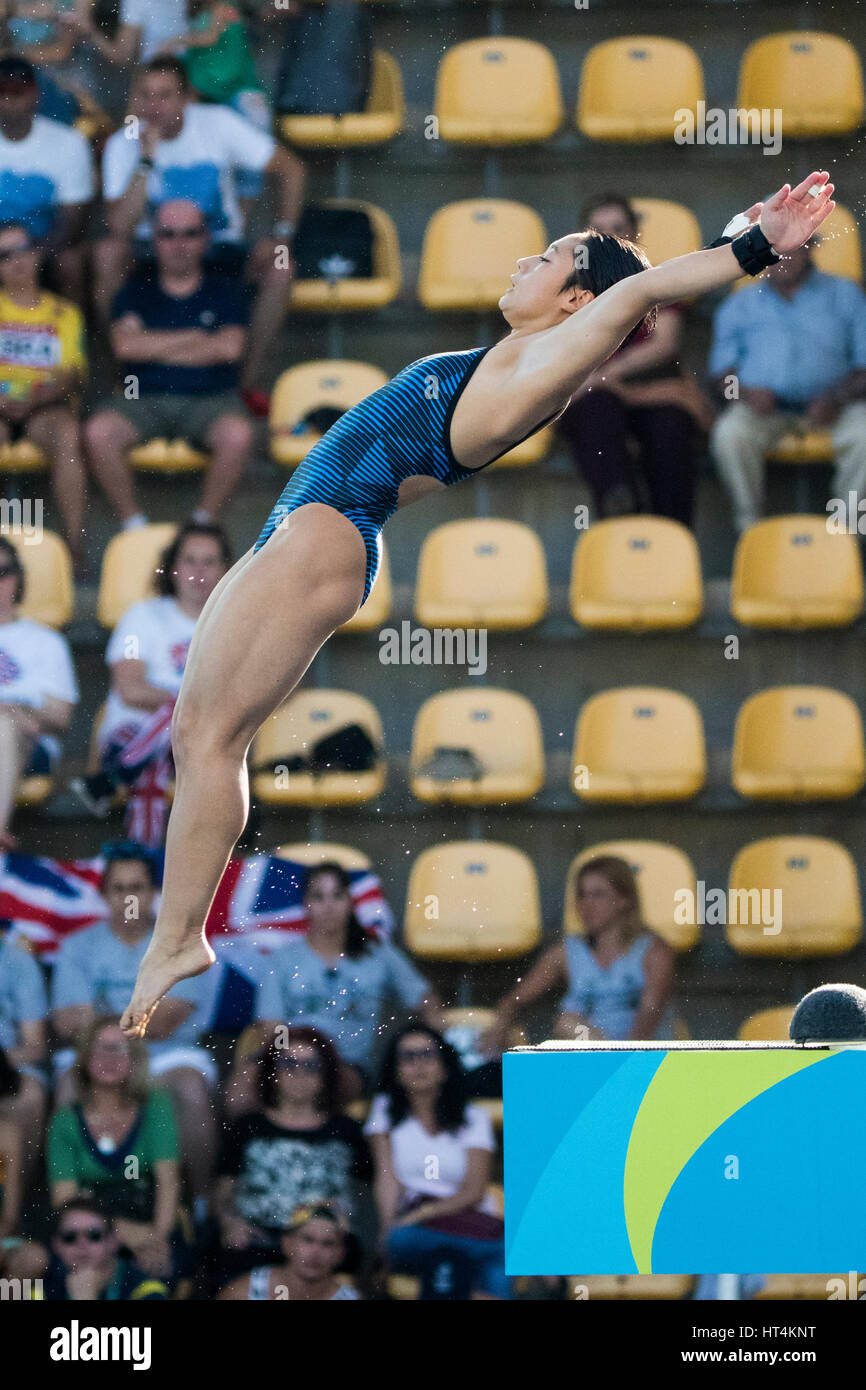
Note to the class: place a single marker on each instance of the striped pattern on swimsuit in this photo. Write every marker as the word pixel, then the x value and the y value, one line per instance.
pixel 400 430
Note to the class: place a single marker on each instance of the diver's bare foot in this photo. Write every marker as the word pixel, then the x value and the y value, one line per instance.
pixel 159 971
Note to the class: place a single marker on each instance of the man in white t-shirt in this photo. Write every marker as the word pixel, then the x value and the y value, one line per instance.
pixel 46 176
pixel 38 691
pixel 176 148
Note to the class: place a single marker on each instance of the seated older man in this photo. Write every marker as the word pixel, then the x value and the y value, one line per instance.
pixel 179 335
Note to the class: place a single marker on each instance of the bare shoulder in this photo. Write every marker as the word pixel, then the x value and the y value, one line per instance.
pixel 236 1290
pixel 502 401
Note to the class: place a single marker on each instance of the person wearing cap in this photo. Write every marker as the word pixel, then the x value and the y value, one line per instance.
pixel 315 1245
pixel 46 175
pixel 42 369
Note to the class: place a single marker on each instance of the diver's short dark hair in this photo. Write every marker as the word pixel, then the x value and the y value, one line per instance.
pixel 605 260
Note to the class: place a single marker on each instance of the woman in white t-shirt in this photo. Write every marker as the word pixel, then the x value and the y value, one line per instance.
pixel 38 691
pixel 146 655
pixel 432 1153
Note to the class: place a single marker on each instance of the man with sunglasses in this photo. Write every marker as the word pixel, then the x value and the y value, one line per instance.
pixel 46 175
pixel 42 368
pixel 86 1261
pixel 179 336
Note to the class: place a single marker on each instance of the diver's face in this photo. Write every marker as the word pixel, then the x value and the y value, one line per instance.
pixel 536 295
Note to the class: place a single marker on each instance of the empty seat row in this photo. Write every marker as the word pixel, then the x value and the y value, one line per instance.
pixel 499 91
pixel 634 574
pixel 633 745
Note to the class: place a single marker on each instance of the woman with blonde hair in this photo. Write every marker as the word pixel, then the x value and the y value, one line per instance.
pixel 618 976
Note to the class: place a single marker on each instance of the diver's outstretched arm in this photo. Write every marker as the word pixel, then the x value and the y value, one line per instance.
pixel 558 361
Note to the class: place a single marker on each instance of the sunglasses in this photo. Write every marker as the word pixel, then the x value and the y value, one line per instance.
pixel 8 252
pixel 6 570
pixel 92 1234
pixel 180 233
pixel 309 1064
pixel 417 1054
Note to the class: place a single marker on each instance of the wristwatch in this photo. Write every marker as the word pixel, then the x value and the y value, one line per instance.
pixel 145 162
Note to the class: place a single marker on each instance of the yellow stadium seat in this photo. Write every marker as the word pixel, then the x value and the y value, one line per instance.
pixel 799 743
pixel 498 91
pixel 500 727
pixel 129 567
pixel 372 614
pixel 301 721
pixel 471 249
pixel 381 119
pixel 662 872
pixel 167 456
pixel 325 382
pixel 632 88
pixel 768 1025
pixel 528 451
pixel 22 457
pixel 812 1287
pixel 815 79
pixel 404 1287
pixel 839 250
pixel 472 900
pixel 803 446
pixel 791 572
pixel 33 791
pixel 640 573
pixel 303 852
pixel 639 744
pixel 49 596
pixel 807 883
pixel 666 229
pixel 628 1286
pixel 482 573
pixel 463 1029
pixel 355 293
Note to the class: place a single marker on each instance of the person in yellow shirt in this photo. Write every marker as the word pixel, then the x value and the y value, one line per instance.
pixel 42 370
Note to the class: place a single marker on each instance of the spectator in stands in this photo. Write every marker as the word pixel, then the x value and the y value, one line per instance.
pixel 314 1247
pixel 34 30
pixel 38 691
pixel 296 1147
pixel 789 354
pixel 142 27
pixel 86 1262
pixel 180 338
pixel 23 1011
pixel 640 400
pixel 114 1119
pixel 146 656
pixel 46 176
pixel 336 978
pixel 218 62
pixel 42 367
pixel 189 150
pixel 433 1154
pixel 619 975
pixel 92 970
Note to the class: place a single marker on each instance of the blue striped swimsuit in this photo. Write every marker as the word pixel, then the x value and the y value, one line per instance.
pixel 399 431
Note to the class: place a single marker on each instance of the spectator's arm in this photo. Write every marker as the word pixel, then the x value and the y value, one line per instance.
pixel 290 175
pixel 121 51
pixel 219 20
pixel 659 967
pixel 63 384
pixel 166 1196
pixel 168 1018
pixel 31 1049
pixel 10 1206
pixel 467 1196
pixel 386 1188
pixel 241 1094
pixel 549 972
pixel 129 681
pixel 54 715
